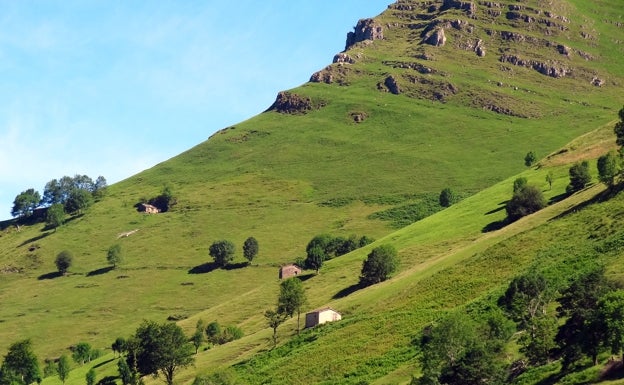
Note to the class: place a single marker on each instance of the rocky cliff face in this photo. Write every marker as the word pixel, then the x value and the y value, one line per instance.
pixel 515 36
pixel 366 29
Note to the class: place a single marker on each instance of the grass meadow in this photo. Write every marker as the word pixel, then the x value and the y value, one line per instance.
pixel 285 178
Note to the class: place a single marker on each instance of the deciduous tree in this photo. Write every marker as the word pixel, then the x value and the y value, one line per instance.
pixel 525 201
pixel 21 364
pixel 119 346
pixel 198 337
pixel 291 298
pixel 274 319
pixel 222 252
pixel 538 341
pixel 90 377
pixel 447 197
pixel 550 178
pixel 380 263
pixel 161 349
pixel 608 168
pixel 527 297
pixel 315 258
pixel 529 159
pixel 114 256
pixel 519 184
pixel 55 216
pixel 619 129
pixel 583 330
pixel 579 177
pixel 611 312
pixel 78 201
pixel 63 368
pixel 250 248
pixel 82 353
pixel 25 203
pixel 63 261
pixel 213 332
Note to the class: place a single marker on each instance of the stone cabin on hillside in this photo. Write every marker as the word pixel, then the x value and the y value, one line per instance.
pixel 321 316
pixel 148 209
pixel 290 270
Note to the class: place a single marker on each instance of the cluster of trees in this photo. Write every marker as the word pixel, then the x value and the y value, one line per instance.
pixel 157 349
pixel 60 196
pixel 83 352
pixel 324 247
pixel 588 320
pixel 21 366
pixel 223 251
pixel 162 349
pixel 215 334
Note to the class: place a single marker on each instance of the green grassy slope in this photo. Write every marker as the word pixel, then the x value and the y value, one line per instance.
pixel 285 178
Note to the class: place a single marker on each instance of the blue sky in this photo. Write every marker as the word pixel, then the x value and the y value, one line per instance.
pixel 113 87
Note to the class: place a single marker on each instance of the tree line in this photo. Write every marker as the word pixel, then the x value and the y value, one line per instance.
pixel 588 320
pixel 67 195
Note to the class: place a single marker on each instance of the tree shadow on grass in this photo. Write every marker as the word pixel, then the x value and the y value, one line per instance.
pixel 101 271
pixel 204 268
pixel 496 225
pixel 613 370
pixel 551 380
pixel 52 275
pixel 103 363
pixel 211 266
pixel 348 291
pixel 600 197
pixel 495 210
pixel 235 266
pixel 558 198
pixel 304 277
pixel 34 239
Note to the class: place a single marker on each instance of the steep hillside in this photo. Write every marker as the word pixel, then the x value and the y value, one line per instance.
pixel 428 95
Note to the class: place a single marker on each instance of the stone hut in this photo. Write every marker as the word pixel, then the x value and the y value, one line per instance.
pixel 290 270
pixel 148 209
pixel 321 316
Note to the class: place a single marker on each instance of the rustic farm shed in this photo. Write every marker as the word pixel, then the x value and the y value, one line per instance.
pixel 149 209
pixel 288 271
pixel 321 316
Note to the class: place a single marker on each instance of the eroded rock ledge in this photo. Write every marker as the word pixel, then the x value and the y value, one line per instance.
pixel 366 29
pixel 291 103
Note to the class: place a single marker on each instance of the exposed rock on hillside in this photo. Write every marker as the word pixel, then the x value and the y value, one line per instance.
pixel 291 103
pixel 531 33
pixel 359 117
pixel 336 73
pixel 426 87
pixel 366 29
pixel 411 65
pixel 343 58
pixel 437 38
pixel 468 6
pixel 551 68
pixel 389 85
